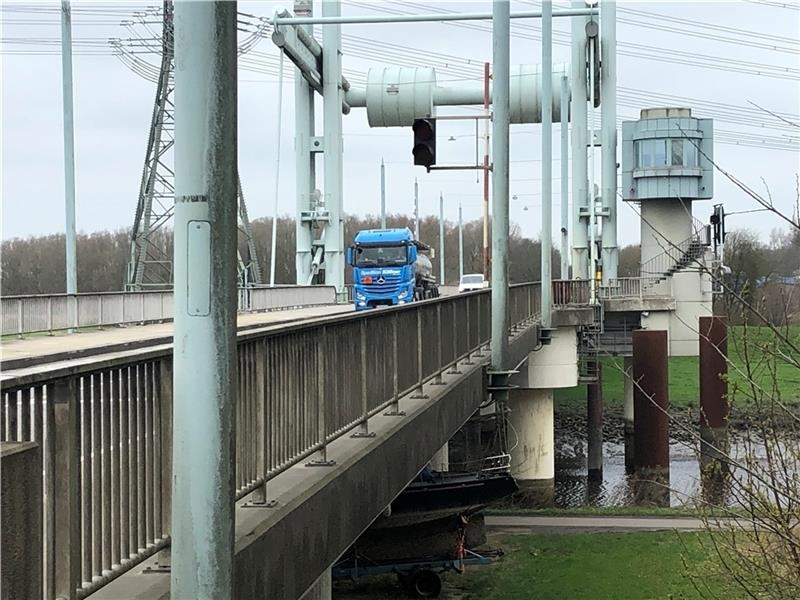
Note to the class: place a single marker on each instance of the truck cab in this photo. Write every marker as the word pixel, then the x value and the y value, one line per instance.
pixel 389 268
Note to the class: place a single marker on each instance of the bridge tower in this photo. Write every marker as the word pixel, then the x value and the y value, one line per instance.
pixel 150 258
pixel 666 166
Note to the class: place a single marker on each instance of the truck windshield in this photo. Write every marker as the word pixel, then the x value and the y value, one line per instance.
pixel 372 256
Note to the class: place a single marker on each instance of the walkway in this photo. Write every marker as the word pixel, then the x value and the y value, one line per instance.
pixel 531 524
pixel 42 348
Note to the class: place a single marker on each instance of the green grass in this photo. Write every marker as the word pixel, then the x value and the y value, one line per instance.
pixel 684 385
pixel 598 566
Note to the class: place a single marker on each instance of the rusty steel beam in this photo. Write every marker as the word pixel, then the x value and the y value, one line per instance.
pixel 594 426
pixel 650 400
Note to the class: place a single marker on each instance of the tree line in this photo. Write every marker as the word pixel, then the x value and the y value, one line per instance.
pixel 36 264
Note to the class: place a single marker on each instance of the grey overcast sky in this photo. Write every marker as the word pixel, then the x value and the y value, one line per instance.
pixel 714 57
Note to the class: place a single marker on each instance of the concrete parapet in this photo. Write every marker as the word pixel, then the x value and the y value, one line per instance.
pixel 21 520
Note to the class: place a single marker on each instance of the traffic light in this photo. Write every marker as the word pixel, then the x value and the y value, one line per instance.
pixel 424 142
pixel 718 223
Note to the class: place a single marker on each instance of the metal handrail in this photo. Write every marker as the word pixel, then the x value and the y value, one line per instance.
pixel 54 312
pixel 105 424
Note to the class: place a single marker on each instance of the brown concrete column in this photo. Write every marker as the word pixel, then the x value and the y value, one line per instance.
pixel 628 412
pixel 714 407
pixel 651 420
pixel 594 426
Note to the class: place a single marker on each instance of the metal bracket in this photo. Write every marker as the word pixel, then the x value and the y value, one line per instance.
pixel 395 413
pixel 265 504
pixel 317 144
pixel 363 434
pixel 321 463
pixel 156 569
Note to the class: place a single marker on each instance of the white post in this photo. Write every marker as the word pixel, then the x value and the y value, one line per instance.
pixel 580 195
pixel 608 113
pixel 547 163
pixel 383 195
pixel 69 146
pixel 441 238
pixel 564 178
pixel 332 129
pixel 305 176
pixel 592 196
pixel 204 354
pixel 273 248
pixel 416 209
pixel 501 30
pixel 460 244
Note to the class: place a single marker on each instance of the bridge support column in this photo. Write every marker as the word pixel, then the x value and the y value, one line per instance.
pixel 532 443
pixel 714 407
pixel 628 411
pixel 204 355
pixel 594 426
pixel 651 418
pixel 322 588
pixel 441 460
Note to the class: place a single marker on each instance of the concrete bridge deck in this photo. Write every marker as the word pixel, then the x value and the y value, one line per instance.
pixel 41 348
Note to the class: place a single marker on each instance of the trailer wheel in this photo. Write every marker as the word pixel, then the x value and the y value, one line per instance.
pixel 425 584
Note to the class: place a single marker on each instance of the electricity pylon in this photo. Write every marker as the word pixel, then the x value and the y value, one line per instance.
pixel 150 259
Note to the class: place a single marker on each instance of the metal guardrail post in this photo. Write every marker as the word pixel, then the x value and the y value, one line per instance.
pixel 164 557
pixel 363 426
pixel 420 392
pixel 454 367
pixel 322 459
pixel 50 315
pixel 440 359
pixel 66 541
pixel 20 328
pixel 260 497
pixel 394 407
pixel 468 358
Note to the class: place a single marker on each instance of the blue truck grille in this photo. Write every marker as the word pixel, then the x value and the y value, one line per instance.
pixel 389 285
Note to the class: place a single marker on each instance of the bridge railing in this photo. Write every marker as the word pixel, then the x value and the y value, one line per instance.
pixel 105 425
pixel 46 313
pixel 636 287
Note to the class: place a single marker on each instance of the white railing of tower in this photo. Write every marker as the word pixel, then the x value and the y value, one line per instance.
pixel 105 425
pixel 54 312
pixel 636 287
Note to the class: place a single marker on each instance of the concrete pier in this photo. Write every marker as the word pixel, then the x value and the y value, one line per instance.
pixel 441 460
pixel 651 418
pixel 532 441
pixel 322 589
pixel 594 427
pixel 627 415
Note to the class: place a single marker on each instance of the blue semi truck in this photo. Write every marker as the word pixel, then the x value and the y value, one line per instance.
pixel 390 267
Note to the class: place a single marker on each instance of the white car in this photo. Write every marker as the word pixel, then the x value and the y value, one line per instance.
pixel 472 282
